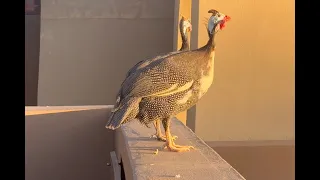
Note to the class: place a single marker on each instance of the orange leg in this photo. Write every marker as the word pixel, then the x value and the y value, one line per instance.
pixel 158 134
pixel 169 143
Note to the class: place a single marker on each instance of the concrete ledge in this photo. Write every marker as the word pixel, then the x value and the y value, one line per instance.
pixel 116 166
pixel 35 108
pixel 38 110
pixel 135 149
pixel 68 145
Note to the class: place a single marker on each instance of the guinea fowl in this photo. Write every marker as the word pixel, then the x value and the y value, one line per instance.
pixel 185 27
pixel 169 85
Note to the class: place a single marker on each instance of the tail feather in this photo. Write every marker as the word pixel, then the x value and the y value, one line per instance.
pixel 124 114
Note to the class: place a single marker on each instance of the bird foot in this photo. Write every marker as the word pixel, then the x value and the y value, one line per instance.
pixel 178 148
pixel 156 152
pixel 162 137
pixel 174 137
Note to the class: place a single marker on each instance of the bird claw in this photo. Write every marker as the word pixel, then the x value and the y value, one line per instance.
pixel 153 136
pixel 162 137
pixel 174 137
pixel 156 152
pixel 159 137
pixel 178 148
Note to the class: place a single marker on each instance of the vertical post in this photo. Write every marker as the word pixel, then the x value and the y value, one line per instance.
pixel 182 7
pixel 198 38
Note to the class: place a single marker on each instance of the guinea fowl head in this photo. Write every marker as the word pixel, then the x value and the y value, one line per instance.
pixel 185 25
pixel 217 21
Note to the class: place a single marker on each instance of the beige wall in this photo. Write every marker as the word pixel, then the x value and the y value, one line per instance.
pixel 32 38
pixel 87 48
pixel 252 97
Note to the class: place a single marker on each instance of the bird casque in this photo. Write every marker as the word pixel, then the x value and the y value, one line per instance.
pixel 185 27
pixel 169 85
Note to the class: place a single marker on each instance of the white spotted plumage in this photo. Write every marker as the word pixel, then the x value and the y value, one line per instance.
pixel 166 85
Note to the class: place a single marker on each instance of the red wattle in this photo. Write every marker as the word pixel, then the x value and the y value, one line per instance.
pixel 227 18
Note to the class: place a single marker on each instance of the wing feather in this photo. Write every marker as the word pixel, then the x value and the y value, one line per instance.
pixel 160 78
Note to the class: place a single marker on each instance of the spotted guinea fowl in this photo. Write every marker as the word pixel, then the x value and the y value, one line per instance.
pixel 169 85
pixel 185 27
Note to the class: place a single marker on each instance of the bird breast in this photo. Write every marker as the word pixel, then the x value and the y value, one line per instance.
pixel 206 77
pixel 201 85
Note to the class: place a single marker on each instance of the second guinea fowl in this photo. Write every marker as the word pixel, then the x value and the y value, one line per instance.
pixel 185 27
pixel 169 85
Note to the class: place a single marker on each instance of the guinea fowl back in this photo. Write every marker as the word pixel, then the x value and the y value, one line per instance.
pixel 169 75
pixel 184 27
pixel 169 85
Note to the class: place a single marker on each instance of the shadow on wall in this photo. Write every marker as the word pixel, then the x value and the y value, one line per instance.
pixel 68 145
pixel 32 45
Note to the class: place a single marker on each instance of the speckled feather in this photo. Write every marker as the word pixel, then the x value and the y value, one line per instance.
pixel 144 63
pixel 165 87
pixel 158 107
pixel 160 85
